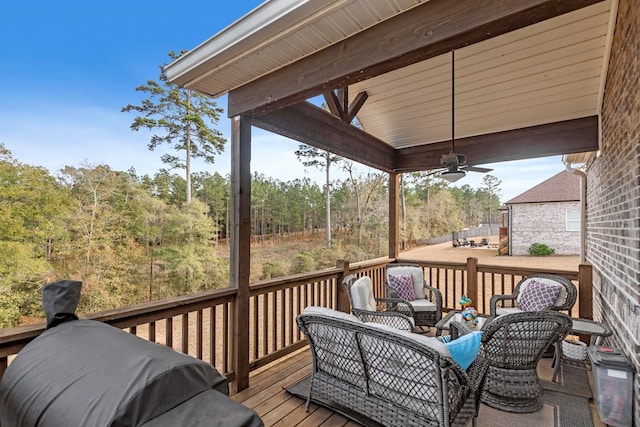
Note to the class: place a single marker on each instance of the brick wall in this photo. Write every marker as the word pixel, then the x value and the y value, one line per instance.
pixel 543 223
pixel 613 195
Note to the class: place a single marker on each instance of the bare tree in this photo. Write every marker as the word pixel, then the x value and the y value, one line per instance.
pixel 322 159
pixel 491 185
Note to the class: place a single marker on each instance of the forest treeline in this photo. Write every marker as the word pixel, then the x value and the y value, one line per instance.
pixel 132 238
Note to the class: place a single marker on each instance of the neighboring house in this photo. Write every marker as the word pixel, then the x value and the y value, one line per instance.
pixel 548 213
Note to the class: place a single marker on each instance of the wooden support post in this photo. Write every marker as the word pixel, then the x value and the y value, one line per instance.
pixel 472 283
pixel 240 244
pixel 4 362
pixel 343 299
pixel 394 217
pixel 585 296
pixel 585 291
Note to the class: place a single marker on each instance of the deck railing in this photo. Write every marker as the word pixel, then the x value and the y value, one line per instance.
pixel 202 325
pixel 480 282
pixel 274 305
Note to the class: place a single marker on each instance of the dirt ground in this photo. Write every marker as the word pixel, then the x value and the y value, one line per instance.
pixel 444 252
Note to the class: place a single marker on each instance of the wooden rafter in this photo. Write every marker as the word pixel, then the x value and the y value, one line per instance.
pixel 339 106
pixel 356 105
pixel 333 103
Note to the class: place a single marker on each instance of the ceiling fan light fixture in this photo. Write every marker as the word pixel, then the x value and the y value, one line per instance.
pixel 453 175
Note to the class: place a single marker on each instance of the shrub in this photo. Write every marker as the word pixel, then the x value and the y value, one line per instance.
pixel 273 269
pixel 503 247
pixel 304 262
pixel 10 305
pixel 540 249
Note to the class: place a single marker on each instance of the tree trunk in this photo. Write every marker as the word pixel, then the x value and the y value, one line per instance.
pixel 151 279
pixel 403 213
pixel 327 196
pixel 188 159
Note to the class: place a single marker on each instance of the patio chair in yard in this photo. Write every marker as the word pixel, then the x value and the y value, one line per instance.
pixel 536 292
pixel 392 312
pixel 512 345
pixel 407 282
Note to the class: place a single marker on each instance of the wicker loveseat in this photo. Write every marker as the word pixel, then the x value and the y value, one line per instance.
pixel 392 377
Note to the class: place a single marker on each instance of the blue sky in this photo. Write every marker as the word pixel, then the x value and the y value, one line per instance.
pixel 67 68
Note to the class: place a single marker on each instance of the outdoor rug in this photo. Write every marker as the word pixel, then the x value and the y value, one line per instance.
pixel 570 381
pixel 559 410
pixel 301 390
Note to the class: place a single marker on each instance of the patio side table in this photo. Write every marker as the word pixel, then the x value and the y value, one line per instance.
pixel 596 332
pixel 456 316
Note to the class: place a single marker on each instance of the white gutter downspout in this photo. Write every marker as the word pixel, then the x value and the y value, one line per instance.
pixel 583 209
pixel 509 228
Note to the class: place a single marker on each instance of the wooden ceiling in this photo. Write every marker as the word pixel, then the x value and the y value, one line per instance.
pixel 529 76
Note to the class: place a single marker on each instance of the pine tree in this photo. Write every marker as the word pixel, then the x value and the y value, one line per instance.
pixel 181 117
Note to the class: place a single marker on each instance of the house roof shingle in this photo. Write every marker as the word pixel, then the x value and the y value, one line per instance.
pixel 562 187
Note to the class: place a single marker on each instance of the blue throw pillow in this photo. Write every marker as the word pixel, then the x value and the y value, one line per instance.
pixel 464 350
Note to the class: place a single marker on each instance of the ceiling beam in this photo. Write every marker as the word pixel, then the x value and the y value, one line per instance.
pixel 566 137
pixel 428 30
pixel 311 125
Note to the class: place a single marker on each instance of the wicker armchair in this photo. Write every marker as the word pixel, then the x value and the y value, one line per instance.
pixel 393 312
pixel 427 306
pixel 505 304
pixel 512 345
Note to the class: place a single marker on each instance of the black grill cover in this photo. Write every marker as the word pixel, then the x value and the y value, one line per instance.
pixel 86 373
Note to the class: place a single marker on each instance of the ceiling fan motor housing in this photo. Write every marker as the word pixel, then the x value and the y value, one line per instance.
pixel 453 159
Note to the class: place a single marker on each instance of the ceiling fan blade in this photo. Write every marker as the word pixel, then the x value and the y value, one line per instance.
pixel 477 169
pixel 414 170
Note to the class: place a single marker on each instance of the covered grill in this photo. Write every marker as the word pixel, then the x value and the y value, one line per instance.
pixel 86 373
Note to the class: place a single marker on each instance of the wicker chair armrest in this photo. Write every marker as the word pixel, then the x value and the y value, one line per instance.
pixel 395 305
pixel 476 372
pixel 460 386
pixel 390 318
pixel 458 329
pixel 434 293
pixel 495 299
pixel 391 292
pixel 435 296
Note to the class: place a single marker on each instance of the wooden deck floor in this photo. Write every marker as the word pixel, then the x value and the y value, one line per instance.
pixel 276 407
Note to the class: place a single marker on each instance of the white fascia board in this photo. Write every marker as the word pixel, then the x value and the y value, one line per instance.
pixel 233 40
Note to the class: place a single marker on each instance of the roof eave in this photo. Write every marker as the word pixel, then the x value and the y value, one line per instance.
pixel 234 39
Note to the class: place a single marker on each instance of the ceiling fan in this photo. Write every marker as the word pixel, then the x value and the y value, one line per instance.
pixel 455 165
